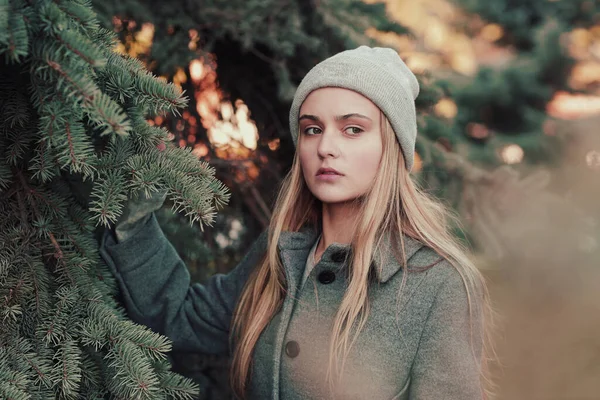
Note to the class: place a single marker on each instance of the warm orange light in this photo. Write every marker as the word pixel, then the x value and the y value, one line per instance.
pixel 117 23
pixel 585 73
pixel 142 40
pixel 492 32
pixel 422 62
pixel 477 131
pixel 196 70
pixel 464 62
pixel 274 144
pixel 581 42
pixel 446 108
pixel 179 77
pixel 194 38
pixel 120 48
pixel 571 106
pixel 200 150
pixel 512 154
pixel 252 171
pixel 436 34
pixel 417 164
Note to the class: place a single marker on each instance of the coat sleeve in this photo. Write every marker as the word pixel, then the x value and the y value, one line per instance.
pixel 447 364
pixel 156 289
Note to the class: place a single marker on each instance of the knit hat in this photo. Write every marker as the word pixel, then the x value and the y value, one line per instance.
pixel 377 73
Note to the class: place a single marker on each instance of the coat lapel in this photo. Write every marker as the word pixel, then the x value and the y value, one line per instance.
pixel 295 246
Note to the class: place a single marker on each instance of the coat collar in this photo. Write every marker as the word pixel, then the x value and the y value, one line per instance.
pixel 385 260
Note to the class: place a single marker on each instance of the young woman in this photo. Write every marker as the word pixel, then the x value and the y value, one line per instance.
pixel 357 290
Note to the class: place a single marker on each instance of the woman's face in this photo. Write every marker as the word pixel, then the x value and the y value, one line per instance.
pixel 340 146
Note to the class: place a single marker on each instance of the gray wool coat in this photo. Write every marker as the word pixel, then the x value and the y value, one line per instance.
pixel 419 343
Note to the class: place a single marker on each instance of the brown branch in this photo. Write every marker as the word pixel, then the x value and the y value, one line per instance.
pixel 58 251
pixel 22 208
pixel 58 254
pixel 71 147
pixel 254 209
pixel 88 98
pixel 261 202
pixel 37 370
pixel 56 66
pixel 36 289
pixel 80 54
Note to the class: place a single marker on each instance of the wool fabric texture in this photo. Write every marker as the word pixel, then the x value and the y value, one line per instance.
pixel 377 73
pixel 422 344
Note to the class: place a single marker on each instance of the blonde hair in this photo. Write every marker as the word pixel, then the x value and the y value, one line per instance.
pixel 398 207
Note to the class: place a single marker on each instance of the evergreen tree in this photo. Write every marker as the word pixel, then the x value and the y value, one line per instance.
pixel 74 146
pixel 507 103
pixel 261 49
pixel 506 106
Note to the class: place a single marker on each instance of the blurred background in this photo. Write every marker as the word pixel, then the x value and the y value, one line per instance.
pixel 509 119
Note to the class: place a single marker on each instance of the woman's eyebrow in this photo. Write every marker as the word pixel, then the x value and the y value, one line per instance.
pixel 337 118
pixel 310 117
pixel 356 115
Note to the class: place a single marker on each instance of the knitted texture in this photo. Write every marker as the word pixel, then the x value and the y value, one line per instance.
pixel 377 73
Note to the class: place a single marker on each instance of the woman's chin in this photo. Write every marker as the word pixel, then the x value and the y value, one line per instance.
pixel 331 198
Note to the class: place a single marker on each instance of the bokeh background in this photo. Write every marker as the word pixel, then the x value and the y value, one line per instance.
pixel 509 119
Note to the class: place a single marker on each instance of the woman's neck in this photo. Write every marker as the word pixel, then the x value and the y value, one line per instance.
pixel 337 225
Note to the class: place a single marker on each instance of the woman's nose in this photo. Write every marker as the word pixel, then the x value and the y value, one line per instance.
pixel 328 145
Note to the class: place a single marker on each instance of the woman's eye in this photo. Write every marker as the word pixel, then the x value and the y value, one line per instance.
pixel 312 130
pixel 354 130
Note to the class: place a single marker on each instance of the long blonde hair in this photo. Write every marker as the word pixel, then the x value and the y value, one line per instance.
pixel 395 205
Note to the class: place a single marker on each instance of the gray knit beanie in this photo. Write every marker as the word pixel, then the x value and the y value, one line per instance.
pixel 377 73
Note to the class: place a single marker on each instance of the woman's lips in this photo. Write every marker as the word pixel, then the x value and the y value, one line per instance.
pixel 328 171
pixel 328 174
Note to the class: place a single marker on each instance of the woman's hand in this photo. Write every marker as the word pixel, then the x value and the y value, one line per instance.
pixel 137 210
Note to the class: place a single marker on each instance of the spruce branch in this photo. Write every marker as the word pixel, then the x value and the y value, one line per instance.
pixel 55 329
pixel 66 99
pixel 26 359
pixel 5 175
pixel 91 374
pixel 155 346
pixel 82 47
pixel 31 196
pixel 106 114
pixel 76 152
pixel 40 279
pixel 4 13
pixel 14 44
pixel 81 12
pixel 43 165
pixel 66 372
pixel 132 375
pixel 158 96
pixel 108 197
pixel 13 384
pixel 178 387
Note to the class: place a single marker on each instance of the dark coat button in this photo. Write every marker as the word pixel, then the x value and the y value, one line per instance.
pixel 292 348
pixel 326 277
pixel 339 256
